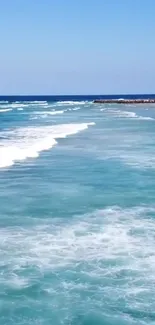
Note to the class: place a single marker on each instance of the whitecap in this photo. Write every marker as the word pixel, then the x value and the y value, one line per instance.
pixel 104 257
pixel 35 102
pixel 103 109
pixel 120 113
pixel 125 114
pixel 18 105
pixel 146 118
pixel 29 103
pixel 72 102
pixel 134 115
pixel 12 153
pixel 113 237
pixel 5 110
pixel 76 109
pixel 50 112
pixel 29 142
pixel 45 114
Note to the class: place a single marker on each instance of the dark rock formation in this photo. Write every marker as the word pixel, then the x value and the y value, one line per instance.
pixel 124 101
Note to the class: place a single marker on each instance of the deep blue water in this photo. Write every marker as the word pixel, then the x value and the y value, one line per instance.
pixel 55 98
pixel 77 211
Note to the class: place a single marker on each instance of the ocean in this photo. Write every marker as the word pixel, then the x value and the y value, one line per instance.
pixel 77 211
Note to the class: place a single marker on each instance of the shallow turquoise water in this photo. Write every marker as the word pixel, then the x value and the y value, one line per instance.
pixel 77 214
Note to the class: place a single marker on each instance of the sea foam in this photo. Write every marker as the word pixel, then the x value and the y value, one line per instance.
pixel 72 102
pixel 5 110
pixel 29 142
pixel 125 114
pixel 49 113
pixel 104 251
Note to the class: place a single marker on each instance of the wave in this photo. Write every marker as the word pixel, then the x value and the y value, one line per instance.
pixel 16 105
pixel 28 104
pixel 134 149
pixel 103 250
pixel 146 118
pixel 32 102
pixel 50 112
pixel 4 102
pixel 10 154
pixel 24 104
pixel 127 114
pixel 37 103
pixel 134 115
pixel 29 142
pixel 122 114
pixel 45 114
pixel 72 102
pixel 55 112
pixel 5 110
pixel 76 109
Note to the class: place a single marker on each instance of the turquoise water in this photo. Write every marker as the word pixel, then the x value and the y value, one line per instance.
pixel 77 214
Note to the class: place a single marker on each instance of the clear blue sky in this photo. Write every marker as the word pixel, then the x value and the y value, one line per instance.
pixel 77 46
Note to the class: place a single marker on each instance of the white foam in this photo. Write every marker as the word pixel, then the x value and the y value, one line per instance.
pixel 146 118
pixel 72 102
pixel 31 102
pixel 76 109
pixel 125 114
pixel 115 247
pixel 5 110
pixel 135 116
pixel 10 154
pixel 29 142
pixel 91 123
pixel 15 105
pixel 50 112
pixel 55 112
pixel 134 149
pixel 15 281
pixel 38 102
pixel 120 113
pixel 4 102
pixel 103 109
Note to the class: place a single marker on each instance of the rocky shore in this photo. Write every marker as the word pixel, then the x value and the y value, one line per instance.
pixel 124 101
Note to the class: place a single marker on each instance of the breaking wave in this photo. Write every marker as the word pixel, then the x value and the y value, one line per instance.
pixel 29 142
pixel 105 256
pixel 125 114
pixel 5 110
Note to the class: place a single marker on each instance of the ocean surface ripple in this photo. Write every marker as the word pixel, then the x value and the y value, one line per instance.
pixel 77 222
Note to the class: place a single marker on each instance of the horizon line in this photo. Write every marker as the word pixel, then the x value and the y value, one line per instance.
pixel 50 95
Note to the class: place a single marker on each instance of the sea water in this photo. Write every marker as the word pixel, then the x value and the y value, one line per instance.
pixel 77 213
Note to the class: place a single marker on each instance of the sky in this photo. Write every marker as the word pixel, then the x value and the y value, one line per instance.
pixel 77 47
